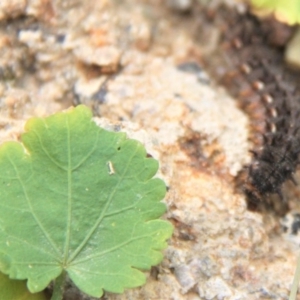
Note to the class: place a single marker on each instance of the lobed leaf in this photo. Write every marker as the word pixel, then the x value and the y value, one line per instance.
pixel 77 198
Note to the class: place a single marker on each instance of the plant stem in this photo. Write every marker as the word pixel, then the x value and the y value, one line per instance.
pixel 296 280
pixel 59 284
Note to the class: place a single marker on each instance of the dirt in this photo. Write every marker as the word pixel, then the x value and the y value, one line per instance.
pixel 143 67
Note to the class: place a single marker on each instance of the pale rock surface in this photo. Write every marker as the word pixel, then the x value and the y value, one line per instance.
pixel 180 5
pixel 219 250
pixel 15 8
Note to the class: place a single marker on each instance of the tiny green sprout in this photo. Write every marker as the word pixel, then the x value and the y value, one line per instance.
pixel 79 201
pixel 287 11
pixel 16 290
pixel 294 289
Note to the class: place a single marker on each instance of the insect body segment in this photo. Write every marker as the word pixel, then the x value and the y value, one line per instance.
pixel 269 92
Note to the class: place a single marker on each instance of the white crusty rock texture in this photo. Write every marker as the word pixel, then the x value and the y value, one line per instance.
pixel 137 65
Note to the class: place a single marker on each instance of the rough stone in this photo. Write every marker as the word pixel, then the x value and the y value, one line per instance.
pixel 219 249
pixel 106 56
pixel 180 5
pixel 11 8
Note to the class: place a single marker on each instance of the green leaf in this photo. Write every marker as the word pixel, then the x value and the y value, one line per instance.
pixel 16 290
pixel 77 198
pixel 287 11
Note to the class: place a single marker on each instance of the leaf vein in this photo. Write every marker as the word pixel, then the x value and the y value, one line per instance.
pixel 30 244
pixel 31 208
pixel 88 154
pixel 103 213
pixel 112 249
pixel 47 153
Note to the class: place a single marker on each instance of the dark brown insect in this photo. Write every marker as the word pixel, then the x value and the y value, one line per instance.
pixel 269 92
